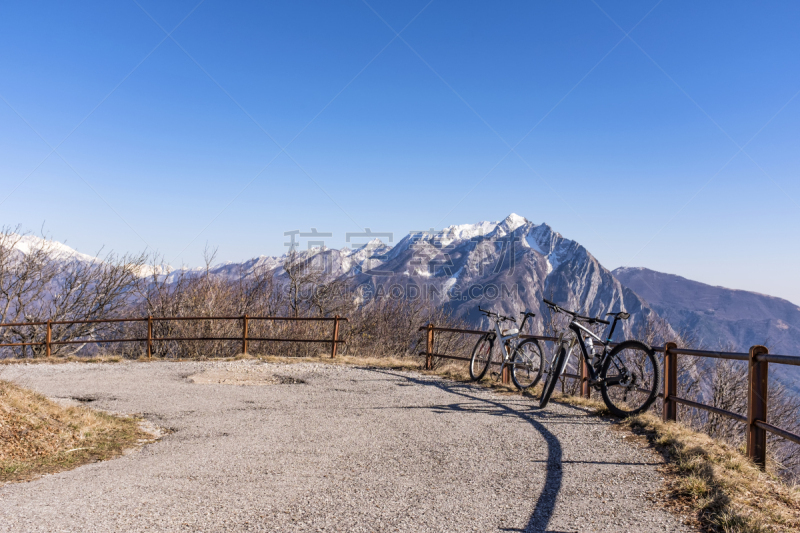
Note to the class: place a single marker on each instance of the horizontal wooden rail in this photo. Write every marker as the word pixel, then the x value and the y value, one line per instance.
pixel 714 355
pixel 98 321
pixel 14 324
pixel 23 344
pixel 204 339
pixel 758 359
pixel 778 431
pixel 334 341
pixel 723 412
pixel 779 359
pixel 267 339
pixel 455 330
pixel 91 341
pixel 482 332
pixel 298 319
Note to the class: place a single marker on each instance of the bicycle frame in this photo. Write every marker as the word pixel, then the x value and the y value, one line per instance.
pixel 504 339
pixel 579 329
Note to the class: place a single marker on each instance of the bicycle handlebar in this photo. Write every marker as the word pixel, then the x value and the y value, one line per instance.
pixel 499 316
pixel 558 309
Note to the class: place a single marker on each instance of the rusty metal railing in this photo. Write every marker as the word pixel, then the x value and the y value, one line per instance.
pixel 245 339
pixel 758 359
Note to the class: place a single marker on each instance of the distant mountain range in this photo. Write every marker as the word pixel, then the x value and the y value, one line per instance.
pixel 510 265
pixel 506 266
pixel 717 316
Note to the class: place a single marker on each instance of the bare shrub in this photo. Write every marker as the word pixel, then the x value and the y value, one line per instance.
pixel 38 283
pixel 388 326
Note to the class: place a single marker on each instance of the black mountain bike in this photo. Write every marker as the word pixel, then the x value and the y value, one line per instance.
pixel 628 376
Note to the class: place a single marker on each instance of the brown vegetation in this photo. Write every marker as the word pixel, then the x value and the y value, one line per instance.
pixel 38 436
pixel 35 288
pixel 710 481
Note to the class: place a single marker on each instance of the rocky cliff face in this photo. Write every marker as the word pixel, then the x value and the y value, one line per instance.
pixel 506 266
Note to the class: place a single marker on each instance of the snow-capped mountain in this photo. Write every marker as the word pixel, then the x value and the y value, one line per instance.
pixel 25 244
pixel 506 266
pixel 510 265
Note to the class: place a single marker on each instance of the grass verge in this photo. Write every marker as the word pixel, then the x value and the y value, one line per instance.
pixel 38 436
pixel 709 480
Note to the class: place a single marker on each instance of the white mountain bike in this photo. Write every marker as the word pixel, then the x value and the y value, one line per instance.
pixel 524 358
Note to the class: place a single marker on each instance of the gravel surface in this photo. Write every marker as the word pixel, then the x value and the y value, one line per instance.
pixel 316 447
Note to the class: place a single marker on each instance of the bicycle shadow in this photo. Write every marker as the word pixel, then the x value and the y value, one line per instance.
pixel 545 504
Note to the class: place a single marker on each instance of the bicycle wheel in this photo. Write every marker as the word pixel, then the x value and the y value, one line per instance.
pixel 556 368
pixel 629 378
pixel 527 364
pixel 481 357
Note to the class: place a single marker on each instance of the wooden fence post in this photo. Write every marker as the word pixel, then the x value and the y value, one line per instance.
pixel 586 390
pixel 49 338
pixel 335 336
pixel 244 334
pixel 429 349
pixel 757 406
pixel 669 412
pixel 506 376
pixel 150 336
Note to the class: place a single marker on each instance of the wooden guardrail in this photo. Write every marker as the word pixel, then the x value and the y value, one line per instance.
pixel 758 359
pixel 429 354
pixel 245 339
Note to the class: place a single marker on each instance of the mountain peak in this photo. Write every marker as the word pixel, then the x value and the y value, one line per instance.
pixel 513 221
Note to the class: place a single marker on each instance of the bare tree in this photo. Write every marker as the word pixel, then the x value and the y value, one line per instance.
pixel 38 283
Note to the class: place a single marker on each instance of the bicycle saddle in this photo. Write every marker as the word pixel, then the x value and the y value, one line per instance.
pixel 622 315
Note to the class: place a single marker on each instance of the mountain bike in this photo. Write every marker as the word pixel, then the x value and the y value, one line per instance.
pixel 628 376
pixel 525 358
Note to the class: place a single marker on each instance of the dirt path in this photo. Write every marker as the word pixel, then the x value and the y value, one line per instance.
pixel 314 447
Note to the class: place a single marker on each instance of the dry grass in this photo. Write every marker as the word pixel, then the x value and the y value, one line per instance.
pixel 724 489
pixel 710 481
pixel 38 436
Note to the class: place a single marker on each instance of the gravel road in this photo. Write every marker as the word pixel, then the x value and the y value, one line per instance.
pixel 316 447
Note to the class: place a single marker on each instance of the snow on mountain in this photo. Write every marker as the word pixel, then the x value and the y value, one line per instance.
pixel 25 244
pixel 61 253
pixel 508 265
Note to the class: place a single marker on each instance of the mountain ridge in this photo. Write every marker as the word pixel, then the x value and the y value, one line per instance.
pixel 719 316
pixel 512 264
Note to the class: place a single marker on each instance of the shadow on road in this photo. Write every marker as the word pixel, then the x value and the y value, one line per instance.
pixel 545 505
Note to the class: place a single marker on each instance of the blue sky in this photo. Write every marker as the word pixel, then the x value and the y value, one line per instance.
pixel 675 147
